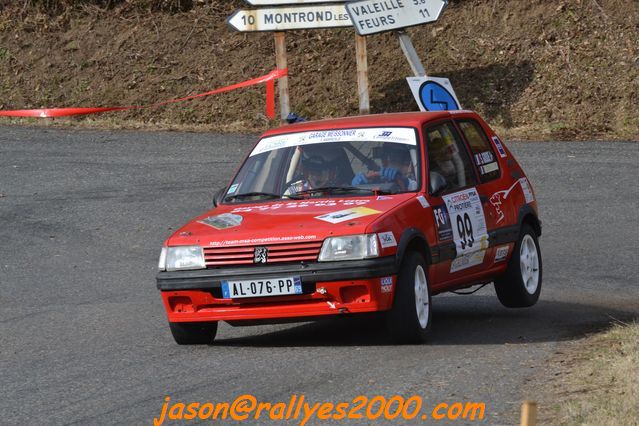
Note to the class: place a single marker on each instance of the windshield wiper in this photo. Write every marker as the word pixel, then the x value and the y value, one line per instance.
pixel 341 189
pixel 267 195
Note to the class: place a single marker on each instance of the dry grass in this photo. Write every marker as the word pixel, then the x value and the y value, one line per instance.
pixel 57 7
pixel 534 69
pixel 602 384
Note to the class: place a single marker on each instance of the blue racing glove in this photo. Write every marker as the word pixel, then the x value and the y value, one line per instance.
pixel 388 173
pixel 359 179
pixel 391 174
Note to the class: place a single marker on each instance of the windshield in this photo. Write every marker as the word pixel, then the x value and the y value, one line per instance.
pixel 344 162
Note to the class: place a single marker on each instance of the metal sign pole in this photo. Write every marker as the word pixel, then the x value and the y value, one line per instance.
pixel 282 84
pixel 362 74
pixel 410 53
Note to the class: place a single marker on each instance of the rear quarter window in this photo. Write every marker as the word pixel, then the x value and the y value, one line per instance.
pixel 483 155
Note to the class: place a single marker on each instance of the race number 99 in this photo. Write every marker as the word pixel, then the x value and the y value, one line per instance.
pixel 465 230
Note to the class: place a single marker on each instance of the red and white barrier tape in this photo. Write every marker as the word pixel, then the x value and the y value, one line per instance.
pixel 269 79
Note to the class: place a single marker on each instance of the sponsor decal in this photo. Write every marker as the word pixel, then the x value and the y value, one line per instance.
pixel 383 198
pixel 386 284
pixel 442 221
pixel 501 253
pixel 484 158
pixel 467 261
pixel 301 205
pixel 498 198
pixel 402 135
pixel 488 168
pixel 267 240
pixel 348 214
pixel 223 221
pixel 387 239
pixel 423 201
pixel 467 220
pixel 499 146
pixel 233 188
pixel 525 187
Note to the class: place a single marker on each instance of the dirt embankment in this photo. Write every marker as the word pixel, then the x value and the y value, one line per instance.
pixel 536 69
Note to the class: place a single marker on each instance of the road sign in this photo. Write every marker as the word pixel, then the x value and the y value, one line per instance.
pixel 281 2
pixel 376 16
pixel 433 93
pixel 289 18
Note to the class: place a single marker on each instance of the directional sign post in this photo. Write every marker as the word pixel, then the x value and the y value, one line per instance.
pixel 411 54
pixel 281 62
pixel 301 15
pixel 376 16
pixel 289 18
pixel 361 59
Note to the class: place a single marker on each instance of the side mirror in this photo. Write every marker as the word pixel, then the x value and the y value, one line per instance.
pixel 218 197
pixel 437 183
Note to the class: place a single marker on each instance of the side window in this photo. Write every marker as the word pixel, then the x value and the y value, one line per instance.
pixel 449 166
pixel 483 154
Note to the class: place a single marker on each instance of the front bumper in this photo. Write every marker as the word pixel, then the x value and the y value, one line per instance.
pixel 329 288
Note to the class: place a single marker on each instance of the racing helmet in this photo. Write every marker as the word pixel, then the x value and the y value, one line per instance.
pixel 396 152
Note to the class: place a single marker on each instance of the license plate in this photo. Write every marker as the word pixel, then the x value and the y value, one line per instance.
pixel 261 288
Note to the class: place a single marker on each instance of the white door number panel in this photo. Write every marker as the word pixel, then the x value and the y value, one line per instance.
pixel 467 220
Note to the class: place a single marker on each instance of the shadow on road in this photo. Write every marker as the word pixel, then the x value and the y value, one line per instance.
pixel 455 322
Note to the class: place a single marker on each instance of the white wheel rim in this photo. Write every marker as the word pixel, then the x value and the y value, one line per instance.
pixel 421 296
pixel 529 264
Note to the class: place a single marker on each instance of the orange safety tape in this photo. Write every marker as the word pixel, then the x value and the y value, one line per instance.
pixel 269 79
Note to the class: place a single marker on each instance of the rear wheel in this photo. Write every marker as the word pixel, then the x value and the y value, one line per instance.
pixel 193 333
pixel 520 285
pixel 409 319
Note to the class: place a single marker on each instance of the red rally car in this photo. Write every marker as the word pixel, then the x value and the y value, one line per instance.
pixel 357 215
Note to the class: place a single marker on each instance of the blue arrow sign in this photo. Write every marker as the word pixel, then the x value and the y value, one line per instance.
pixel 435 97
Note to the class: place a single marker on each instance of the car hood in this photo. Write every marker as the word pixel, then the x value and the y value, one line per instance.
pixel 287 221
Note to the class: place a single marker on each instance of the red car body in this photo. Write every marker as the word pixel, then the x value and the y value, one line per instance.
pixel 290 231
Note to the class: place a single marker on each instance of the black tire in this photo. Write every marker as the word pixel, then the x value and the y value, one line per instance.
pixel 193 333
pixel 511 287
pixel 402 321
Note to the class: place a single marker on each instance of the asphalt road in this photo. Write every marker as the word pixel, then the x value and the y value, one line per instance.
pixel 83 332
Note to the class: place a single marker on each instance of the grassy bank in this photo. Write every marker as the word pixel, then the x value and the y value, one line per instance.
pixel 601 383
pixel 534 69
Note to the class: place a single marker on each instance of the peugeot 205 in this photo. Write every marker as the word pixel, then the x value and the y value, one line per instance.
pixel 357 215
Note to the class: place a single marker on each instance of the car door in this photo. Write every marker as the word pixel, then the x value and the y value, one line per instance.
pixel 495 187
pixel 462 228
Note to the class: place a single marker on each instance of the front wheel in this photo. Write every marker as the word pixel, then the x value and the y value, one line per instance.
pixel 409 319
pixel 520 285
pixel 193 333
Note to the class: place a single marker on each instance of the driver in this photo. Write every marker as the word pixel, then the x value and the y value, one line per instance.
pixel 397 166
pixel 317 172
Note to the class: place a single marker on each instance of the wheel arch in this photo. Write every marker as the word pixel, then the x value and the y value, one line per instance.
pixel 412 239
pixel 528 215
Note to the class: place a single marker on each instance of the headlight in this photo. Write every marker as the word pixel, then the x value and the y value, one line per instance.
pixel 181 258
pixel 351 247
pixel 162 262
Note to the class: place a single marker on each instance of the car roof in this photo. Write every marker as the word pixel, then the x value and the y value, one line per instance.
pixel 402 119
